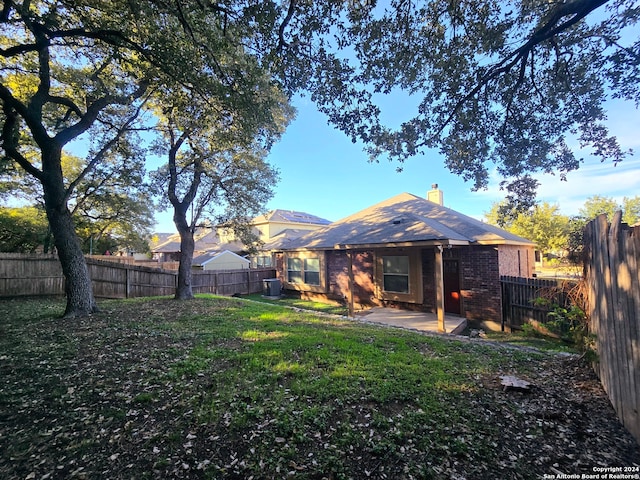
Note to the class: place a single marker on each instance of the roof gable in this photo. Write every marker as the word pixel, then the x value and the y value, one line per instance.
pixel 208 257
pixel 405 218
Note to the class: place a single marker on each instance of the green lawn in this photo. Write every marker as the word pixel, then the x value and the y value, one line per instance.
pixel 298 303
pixel 540 342
pixel 225 388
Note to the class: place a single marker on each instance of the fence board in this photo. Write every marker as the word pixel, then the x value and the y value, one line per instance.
pixel 31 273
pixel 613 280
pixel 28 275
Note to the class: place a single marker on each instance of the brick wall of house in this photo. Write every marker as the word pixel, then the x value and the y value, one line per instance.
pixel 516 260
pixel 338 278
pixel 479 280
pixel 337 274
pixel 278 263
pixel 480 283
pixel 428 279
pixel 364 295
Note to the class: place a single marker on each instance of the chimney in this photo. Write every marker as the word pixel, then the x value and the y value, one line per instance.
pixel 435 195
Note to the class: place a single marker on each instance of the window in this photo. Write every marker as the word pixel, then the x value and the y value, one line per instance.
pixel 395 272
pixel 312 271
pixel 294 270
pixel 262 261
pixel 398 274
pixel 305 270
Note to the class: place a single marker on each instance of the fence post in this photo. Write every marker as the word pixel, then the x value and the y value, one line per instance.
pixel 127 288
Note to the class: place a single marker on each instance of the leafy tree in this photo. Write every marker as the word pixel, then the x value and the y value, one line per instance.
pixel 64 74
pixel 631 210
pixel 215 169
pixel 84 69
pixel 597 205
pixel 112 201
pixel 504 85
pixel 575 244
pixel 22 229
pixel 501 214
pixel 543 224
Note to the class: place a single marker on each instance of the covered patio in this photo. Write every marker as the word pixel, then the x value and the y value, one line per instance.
pixel 420 321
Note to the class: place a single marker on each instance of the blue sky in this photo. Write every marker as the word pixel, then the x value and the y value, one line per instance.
pixel 323 173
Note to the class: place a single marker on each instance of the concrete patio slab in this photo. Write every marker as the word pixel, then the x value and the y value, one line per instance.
pixel 421 321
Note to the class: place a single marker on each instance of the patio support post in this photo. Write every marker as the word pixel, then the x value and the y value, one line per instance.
pixel 440 289
pixel 351 283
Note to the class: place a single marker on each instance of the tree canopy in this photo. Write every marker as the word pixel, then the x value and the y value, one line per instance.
pixel 543 224
pixel 85 69
pixel 22 229
pixel 597 204
pixel 216 168
pixel 509 86
pixel 111 204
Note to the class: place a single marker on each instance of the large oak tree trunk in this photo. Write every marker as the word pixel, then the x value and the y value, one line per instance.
pixel 187 245
pixel 78 288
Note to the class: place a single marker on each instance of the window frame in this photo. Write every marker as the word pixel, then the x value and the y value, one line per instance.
pixel 306 273
pixel 292 261
pixel 256 261
pixel 403 275
pixel 415 292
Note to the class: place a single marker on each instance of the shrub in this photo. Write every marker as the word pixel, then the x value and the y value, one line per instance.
pixel 567 315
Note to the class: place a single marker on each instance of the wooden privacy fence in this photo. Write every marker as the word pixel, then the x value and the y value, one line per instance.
pixel 26 274
pixel 230 282
pixel 519 300
pixel 612 275
pixel 29 275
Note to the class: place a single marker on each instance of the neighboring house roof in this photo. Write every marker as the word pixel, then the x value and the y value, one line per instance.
pixel 290 216
pixel 404 219
pixel 235 247
pixel 202 260
pixel 284 238
pixel 168 247
pixel 159 238
pixel 205 240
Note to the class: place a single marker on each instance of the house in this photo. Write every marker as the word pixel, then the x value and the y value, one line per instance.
pixel 407 252
pixel 206 240
pixel 224 260
pixel 276 223
pixel 283 225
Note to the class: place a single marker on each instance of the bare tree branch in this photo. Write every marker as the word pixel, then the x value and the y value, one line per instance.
pixel 281 41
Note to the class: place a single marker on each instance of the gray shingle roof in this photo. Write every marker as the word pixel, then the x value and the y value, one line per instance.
pixel 290 216
pixel 204 242
pixel 283 239
pixel 403 219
